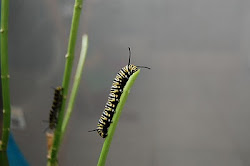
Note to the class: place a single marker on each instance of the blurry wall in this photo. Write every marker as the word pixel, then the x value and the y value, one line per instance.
pixel 190 109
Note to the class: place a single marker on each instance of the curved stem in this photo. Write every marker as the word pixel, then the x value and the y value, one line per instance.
pixel 66 79
pixel 118 110
pixel 76 83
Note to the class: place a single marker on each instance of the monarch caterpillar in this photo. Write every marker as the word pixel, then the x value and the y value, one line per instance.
pixel 114 97
pixel 56 105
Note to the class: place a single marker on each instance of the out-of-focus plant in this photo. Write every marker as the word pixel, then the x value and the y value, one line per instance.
pixel 5 75
pixel 52 158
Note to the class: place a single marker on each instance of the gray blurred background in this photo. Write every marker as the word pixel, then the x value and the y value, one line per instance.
pixel 191 109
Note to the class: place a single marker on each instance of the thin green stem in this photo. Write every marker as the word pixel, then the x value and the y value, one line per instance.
pixel 5 74
pixel 111 130
pixel 75 84
pixel 66 79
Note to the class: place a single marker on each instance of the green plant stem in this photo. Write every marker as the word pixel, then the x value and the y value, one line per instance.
pixel 118 110
pixel 66 79
pixel 75 83
pixel 5 74
pixel 4 159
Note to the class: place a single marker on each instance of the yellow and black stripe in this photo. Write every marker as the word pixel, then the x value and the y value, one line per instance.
pixel 56 105
pixel 114 97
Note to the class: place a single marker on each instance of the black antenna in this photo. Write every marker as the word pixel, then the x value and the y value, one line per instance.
pixel 143 67
pixel 53 87
pixel 46 129
pixel 129 50
pixel 129 55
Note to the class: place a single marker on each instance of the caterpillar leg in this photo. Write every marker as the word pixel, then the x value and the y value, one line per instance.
pixel 92 130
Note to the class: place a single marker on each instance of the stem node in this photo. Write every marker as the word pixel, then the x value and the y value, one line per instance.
pixel 66 80
pixel 78 6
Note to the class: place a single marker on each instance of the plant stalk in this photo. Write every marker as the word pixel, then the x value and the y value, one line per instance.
pixel 118 110
pixel 66 80
pixel 76 83
pixel 5 74
pixel 4 159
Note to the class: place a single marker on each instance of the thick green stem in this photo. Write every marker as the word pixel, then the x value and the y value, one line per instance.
pixel 4 159
pixel 111 130
pixel 66 79
pixel 75 84
pixel 5 74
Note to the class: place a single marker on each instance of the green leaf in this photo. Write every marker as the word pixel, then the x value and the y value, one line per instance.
pixel 118 111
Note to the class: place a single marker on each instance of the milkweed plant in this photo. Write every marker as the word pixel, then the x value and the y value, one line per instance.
pixel 55 138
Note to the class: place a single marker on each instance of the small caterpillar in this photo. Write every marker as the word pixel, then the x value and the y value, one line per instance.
pixel 114 97
pixel 56 105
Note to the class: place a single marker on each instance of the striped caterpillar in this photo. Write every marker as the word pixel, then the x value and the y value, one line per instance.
pixel 114 97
